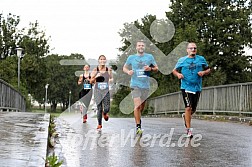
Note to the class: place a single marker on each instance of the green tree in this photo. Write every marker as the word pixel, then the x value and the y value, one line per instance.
pixel 121 93
pixel 222 30
pixel 8 70
pixel 35 45
pixel 34 41
pixel 8 35
pixel 62 80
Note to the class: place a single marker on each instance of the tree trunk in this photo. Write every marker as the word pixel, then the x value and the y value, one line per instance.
pixel 53 107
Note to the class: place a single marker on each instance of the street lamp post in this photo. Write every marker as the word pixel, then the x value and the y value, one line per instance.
pixel 19 55
pixel 69 101
pixel 30 99
pixel 46 87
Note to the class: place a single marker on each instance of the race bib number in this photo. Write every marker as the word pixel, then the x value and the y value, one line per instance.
pixel 102 85
pixel 141 73
pixel 87 86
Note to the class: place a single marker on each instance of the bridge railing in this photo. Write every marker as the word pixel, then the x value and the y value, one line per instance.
pixel 11 99
pixel 233 98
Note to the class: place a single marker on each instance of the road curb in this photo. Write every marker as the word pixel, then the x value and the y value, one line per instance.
pixel 236 119
pixel 246 120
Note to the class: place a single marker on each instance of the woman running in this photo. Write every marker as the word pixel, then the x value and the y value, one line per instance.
pixel 86 92
pixel 101 76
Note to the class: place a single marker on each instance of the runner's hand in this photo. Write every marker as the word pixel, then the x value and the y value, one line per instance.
pixel 147 68
pixel 201 73
pixel 98 75
pixel 180 76
pixel 130 72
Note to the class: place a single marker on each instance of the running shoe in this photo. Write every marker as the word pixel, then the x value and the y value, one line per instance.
pixel 189 133
pixel 85 118
pixel 99 127
pixel 139 131
pixel 106 116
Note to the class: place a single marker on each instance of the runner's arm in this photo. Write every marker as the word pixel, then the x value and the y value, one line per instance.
pixel 204 72
pixel 80 80
pixel 154 68
pixel 110 75
pixel 126 70
pixel 93 75
pixel 177 74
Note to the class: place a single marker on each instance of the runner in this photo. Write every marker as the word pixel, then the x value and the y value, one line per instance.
pixel 101 76
pixel 141 65
pixel 190 69
pixel 86 92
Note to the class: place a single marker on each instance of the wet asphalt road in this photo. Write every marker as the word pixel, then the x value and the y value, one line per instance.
pixel 23 139
pixel 162 144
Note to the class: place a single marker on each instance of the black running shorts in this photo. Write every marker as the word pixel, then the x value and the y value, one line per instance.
pixel 190 99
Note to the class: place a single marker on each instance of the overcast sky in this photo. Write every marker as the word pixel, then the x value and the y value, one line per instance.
pixel 88 27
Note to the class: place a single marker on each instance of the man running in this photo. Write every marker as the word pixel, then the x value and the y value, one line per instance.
pixel 141 64
pixel 190 69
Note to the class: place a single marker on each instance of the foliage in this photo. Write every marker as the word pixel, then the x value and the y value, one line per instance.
pixel 35 45
pixel 122 92
pixel 8 35
pixel 147 110
pixel 52 161
pixel 37 68
pixel 8 72
pixel 62 80
pixel 221 30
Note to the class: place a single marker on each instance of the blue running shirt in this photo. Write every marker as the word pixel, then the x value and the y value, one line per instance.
pixel 190 67
pixel 140 78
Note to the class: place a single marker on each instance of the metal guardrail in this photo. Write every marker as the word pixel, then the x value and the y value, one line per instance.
pixel 233 98
pixel 11 99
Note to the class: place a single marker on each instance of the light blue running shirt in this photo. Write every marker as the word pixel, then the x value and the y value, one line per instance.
pixel 140 78
pixel 190 67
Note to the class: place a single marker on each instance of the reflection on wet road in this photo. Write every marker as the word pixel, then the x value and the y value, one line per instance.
pixel 163 143
pixel 23 140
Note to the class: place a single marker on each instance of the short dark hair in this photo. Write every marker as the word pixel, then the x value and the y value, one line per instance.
pixel 140 41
